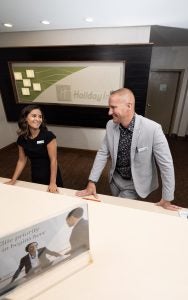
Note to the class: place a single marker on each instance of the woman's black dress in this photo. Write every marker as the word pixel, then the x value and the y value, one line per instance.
pixel 36 150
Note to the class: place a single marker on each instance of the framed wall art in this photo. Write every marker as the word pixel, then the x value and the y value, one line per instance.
pixel 66 83
pixel 72 83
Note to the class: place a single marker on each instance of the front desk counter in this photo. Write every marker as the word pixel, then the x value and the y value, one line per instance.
pixel 139 252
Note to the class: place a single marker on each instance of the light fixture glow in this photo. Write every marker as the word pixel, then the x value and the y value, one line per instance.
pixel 89 19
pixel 7 25
pixel 45 22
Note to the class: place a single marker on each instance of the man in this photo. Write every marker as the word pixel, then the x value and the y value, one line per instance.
pixel 35 259
pixel 79 238
pixel 135 144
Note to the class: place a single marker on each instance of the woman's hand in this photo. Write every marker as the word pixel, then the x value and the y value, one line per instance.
pixel 11 182
pixel 52 188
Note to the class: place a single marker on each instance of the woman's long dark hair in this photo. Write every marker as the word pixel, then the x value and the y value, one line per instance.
pixel 22 123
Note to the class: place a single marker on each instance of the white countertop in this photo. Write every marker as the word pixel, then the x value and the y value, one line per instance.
pixel 139 252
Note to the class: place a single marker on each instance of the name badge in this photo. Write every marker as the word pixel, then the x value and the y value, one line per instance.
pixel 40 142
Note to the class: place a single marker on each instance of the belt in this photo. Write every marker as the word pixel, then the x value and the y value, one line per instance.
pixel 126 178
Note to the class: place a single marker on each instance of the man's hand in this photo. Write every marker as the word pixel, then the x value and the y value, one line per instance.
pixel 90 190
pixel 167 205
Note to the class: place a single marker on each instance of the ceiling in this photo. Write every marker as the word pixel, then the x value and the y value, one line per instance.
pixel 27 15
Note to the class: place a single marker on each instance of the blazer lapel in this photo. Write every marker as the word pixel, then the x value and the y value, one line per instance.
pixel 136 133
pixel 27 263
pixel 116 141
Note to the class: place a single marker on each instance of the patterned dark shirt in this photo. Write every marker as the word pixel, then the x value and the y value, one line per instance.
pixel 123 164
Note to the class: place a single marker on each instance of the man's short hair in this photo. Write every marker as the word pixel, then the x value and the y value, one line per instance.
pixel 27 247
pixel 77 213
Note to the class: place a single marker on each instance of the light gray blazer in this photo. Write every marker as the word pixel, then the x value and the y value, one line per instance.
pixel 149 146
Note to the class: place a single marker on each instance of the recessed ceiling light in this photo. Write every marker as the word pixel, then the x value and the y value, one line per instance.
pixel 7 25
pixel 89 19
pixel 45 22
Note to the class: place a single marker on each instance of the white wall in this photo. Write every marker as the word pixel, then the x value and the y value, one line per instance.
pixel 175 58
pixel 97 36
pixel 73 137
pixel 7 131
pixel 78 137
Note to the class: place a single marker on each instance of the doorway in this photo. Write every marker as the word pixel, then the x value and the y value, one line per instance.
pixel 162 97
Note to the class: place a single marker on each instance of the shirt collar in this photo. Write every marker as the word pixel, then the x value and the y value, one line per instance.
pixel 33 257
pixel 130 127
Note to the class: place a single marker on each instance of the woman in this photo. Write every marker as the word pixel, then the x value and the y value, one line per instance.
pixel 39 145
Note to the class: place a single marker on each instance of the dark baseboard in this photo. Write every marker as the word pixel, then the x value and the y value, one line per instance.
pixel 75 149
pixel 12 145
pixel 8 147
pixel 177 137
